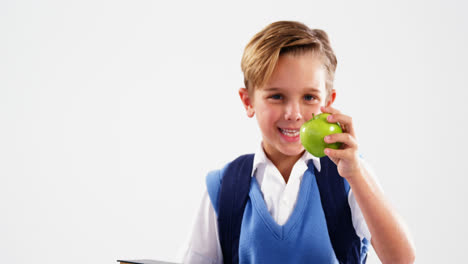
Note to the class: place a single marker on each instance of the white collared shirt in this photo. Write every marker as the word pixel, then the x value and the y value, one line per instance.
pixel 280 198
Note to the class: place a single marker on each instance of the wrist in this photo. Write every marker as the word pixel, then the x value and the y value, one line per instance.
pixel 356 176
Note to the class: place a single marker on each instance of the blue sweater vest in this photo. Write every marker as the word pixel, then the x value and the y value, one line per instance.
pixel 303 238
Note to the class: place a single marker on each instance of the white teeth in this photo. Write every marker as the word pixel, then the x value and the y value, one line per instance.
pixel 290 132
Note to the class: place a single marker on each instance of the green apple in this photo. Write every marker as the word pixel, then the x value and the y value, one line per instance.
pixel 313 131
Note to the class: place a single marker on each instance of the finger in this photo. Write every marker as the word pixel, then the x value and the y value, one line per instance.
pixel 344 138
pixel 345 154
pixel 345 121
pixel 329 109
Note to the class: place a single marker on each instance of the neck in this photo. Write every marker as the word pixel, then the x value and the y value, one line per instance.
pixel 283 163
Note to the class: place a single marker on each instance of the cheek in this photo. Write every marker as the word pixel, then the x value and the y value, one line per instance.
pixel 268 117
pixel 312 110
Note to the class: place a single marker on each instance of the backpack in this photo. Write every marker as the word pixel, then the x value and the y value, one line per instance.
pixel 234 193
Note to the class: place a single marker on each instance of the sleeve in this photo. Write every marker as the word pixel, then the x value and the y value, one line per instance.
pixel 203 243
pixel 358 220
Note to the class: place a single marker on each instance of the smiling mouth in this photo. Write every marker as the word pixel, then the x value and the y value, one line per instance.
pixel 289 132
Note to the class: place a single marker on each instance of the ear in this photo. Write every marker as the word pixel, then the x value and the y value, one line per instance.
pixel 246 101
pixel 331 98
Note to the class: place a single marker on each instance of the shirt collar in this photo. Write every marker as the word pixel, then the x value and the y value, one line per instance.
pixel 260 159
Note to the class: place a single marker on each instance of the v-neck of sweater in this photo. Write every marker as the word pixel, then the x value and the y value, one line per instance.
pixel 280 198
pixel 282 231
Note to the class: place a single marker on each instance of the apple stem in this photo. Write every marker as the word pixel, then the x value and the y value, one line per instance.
pixel 313 115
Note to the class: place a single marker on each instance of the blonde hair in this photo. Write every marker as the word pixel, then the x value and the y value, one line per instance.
pixel 284 37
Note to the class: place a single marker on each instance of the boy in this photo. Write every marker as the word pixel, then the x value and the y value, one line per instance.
pixel 288 74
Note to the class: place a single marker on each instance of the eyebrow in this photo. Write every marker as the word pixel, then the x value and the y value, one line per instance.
pixel 277 89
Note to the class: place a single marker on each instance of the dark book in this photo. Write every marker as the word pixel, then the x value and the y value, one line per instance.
pixel 144 261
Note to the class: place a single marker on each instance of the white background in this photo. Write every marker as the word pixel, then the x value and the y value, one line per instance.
pixel 112 113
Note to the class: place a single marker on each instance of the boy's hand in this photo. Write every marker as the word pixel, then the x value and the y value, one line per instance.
pixel 347 157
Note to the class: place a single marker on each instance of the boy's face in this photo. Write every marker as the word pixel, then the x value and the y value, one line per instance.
pixel 295 91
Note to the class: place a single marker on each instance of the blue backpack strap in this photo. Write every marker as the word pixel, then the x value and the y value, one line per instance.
pixel 233 196
pixel 334 196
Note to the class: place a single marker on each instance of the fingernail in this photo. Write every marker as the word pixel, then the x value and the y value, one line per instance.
pixel 329 118
pixel 327 151
pixel 327 138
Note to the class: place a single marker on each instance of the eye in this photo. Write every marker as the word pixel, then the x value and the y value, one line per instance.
pixel 276 97
pixel 309 97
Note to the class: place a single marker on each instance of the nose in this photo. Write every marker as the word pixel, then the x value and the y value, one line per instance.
pixel 293 112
